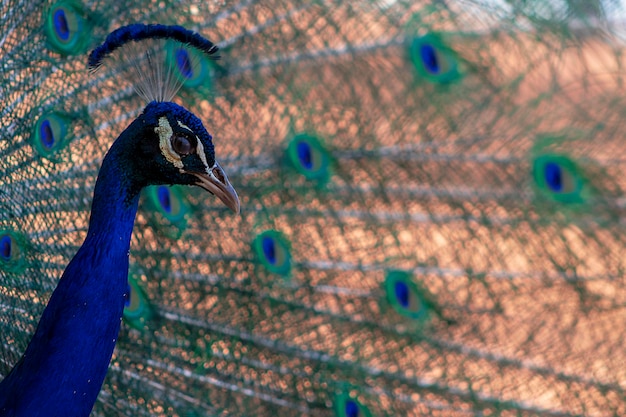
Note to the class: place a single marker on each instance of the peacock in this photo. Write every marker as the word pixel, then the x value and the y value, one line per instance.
pixel 78 329
pixel 429 221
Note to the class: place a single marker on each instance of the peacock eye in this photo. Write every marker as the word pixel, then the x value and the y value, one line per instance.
pixel 182 145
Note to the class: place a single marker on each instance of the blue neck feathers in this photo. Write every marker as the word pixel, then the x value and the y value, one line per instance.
pixel 65 363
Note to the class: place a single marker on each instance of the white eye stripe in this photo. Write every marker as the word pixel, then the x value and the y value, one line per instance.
pixel 202 156
pixel 165 132
pixel 184 126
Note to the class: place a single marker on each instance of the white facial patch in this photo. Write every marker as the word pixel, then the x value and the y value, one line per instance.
pixel 165 132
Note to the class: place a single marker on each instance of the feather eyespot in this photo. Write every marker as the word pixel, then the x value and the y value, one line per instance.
pixel 182 145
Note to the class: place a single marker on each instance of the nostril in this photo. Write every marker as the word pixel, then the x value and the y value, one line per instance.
pixel 219 174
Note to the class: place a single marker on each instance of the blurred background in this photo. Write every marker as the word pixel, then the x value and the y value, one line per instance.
pixel 432 206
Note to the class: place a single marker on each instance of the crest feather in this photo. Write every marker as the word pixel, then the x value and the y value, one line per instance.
pixel 157 59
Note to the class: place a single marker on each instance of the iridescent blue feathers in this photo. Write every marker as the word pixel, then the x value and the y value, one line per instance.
pixel 139 32
pixel 162 58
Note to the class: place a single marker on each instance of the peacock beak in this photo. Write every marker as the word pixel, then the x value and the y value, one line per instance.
pixel 216 182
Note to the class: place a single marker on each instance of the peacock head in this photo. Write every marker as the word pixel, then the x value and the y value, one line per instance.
pixel 172 146
pixel 166 144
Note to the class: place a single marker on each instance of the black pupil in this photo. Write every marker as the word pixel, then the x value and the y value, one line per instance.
pixel 181 145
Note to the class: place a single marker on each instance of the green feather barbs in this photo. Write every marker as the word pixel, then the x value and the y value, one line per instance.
pixel 137 310
pixel 272 249
pixel 167 210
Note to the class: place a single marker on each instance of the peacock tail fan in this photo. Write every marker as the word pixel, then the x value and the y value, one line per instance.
pixel 432 204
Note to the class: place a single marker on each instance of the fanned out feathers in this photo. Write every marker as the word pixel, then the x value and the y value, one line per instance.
pixel 432 203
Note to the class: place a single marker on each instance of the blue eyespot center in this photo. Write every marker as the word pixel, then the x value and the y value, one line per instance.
pixel 554 176
pixel 429 58
pixel 352 409
pixel 163 194
pixel 184 63
pixel 402 293
pixel 6 247
pixel 46 134
pixel 304 155
pixel 60 24
pixel 127 299
pixel 269 249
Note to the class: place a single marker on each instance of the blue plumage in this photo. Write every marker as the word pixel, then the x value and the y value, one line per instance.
pixel 65 364
pixel 138 32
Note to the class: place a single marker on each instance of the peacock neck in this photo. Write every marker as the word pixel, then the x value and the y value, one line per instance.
pixel 65 364
pixel 114 204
